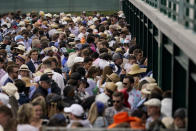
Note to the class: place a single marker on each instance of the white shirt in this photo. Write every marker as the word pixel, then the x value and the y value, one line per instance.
pixel 35 64
pixel 26 127
pixel 58 78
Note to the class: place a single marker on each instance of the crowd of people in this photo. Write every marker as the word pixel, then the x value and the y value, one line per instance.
pixel 78 72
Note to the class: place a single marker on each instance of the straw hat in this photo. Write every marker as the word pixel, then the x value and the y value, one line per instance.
pixel 149 79
pixel 111 86
pixel 55 26
pixel 24 67
pixel 135 69
pixel 27 81
pixel 72 36
pixel 11 90
pixel 113 77
pixel 118 50
pixel 47 49
pixel 148 88
pixel 21 57
pixel 48 71
pixel 20 47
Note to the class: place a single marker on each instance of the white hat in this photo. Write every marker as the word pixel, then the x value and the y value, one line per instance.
pixel 20 47
pixel 24 67
pixel 4 99
pixel 74 109
pixel 11 90
pixel 48 71
pixel 78 59
pixel 153 102
pixel 95 19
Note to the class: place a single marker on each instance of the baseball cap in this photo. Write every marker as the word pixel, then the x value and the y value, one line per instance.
pixel 153 102
pixel 75 109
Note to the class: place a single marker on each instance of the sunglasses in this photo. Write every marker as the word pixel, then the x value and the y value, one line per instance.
pixel 116 101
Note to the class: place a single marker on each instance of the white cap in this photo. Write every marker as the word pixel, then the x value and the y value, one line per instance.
pixel 153 102
pixel 78 59
pixel 74 109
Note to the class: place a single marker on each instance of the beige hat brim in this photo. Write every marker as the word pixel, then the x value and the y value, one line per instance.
pixel 141 70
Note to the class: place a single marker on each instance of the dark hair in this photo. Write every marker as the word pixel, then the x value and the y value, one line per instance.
pixel 180 112
pixel 131 80
pixel 167 94
pixel 92 70
pixel 33 50
pixel 11 67
pixel 156 93
pixel 103 50
pixel 118 94
pixel 21 85
pixel 138 113
pixel 81 70
pixel 95 55
pixel 5 110
pixel 87 59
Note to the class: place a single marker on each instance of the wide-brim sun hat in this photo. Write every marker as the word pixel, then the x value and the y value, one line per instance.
pixel 135 69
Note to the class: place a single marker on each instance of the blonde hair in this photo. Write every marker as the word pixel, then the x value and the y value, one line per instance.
pixel 25 114
pixel 93 113
pixel 41 101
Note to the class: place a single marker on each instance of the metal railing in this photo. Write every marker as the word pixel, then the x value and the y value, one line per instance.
pixel 46 128
pixel 182 11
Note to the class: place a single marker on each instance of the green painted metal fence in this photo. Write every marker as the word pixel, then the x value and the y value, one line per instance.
pixel 164 30
pixel 58 5
pixel 183 11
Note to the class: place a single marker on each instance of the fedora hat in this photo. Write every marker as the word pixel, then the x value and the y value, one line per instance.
pixel 24 67
pixel 153 102
pixel 111 86
pixel 21 57
pixel 11 90
pixel 48 71
pixel 20 47
pixel 148 88
pixel 135 69
pixel 113 77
